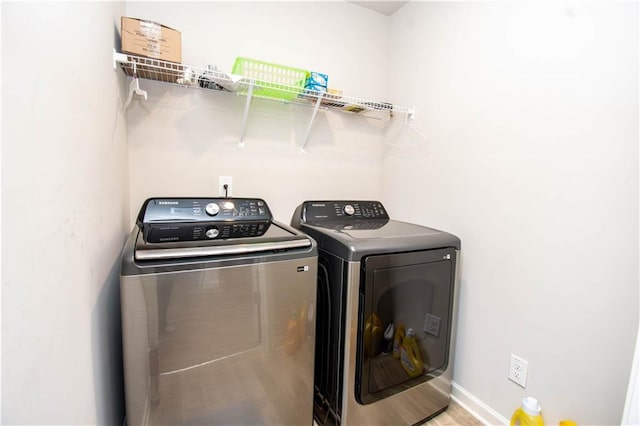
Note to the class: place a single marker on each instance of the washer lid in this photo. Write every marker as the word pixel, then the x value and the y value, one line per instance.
pixel 276 238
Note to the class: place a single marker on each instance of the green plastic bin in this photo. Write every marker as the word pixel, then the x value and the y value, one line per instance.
pixel 272 81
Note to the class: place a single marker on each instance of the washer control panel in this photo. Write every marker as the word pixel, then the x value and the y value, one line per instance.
pixel 165 220
pixel 343 211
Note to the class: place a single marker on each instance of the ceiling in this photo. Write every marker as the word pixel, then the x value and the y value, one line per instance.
pixel 385 7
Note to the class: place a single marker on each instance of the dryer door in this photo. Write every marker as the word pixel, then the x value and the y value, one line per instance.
pixel 404 324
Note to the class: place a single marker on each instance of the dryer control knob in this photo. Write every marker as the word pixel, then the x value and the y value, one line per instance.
pixel 349 210
pixel 212 209
pixel 212 233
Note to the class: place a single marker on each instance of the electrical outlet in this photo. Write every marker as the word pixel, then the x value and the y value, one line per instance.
pixel 518 370
pixel 222 181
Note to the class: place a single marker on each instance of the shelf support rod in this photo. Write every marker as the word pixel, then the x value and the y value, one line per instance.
pixel 313 117
pixel 247 105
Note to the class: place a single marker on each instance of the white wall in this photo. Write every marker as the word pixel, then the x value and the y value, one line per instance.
pixel 181 140
pixel 64 218
pixel 532 160
pixel 631 414
pixel 531 113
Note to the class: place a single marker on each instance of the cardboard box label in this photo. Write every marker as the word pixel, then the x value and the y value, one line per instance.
pixel 147 38
pixel 150 30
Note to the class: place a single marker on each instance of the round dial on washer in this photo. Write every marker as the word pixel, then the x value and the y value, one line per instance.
pixel 349 210
pixel 212 233
pixel 212 209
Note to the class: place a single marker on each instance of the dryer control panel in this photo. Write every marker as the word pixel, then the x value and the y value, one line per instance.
pixel 165 220
pixel 343 211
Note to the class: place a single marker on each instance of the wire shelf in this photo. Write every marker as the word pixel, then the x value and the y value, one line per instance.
pixel 211 78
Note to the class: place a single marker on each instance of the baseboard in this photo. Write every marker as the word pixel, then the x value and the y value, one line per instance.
pixel 475 407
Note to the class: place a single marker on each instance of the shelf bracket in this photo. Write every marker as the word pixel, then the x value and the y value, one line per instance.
pixel 118 57
pixel 313 117
pixel 247 105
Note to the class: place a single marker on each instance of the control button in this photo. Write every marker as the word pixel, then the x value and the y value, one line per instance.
pixel 228 205
pixel 349 210
pixel 212 209
pixel 212 232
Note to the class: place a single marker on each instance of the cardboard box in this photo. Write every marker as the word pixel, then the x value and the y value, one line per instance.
pixel 150 39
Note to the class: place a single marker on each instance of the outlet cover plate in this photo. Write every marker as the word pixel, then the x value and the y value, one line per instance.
pixel 518 370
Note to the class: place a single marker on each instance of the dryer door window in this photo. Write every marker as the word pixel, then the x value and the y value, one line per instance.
pixel 404 325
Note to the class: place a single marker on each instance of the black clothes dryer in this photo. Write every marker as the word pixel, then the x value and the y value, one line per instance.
pixel 386 314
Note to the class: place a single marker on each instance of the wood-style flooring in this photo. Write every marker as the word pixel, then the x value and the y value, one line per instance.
pixel 455 415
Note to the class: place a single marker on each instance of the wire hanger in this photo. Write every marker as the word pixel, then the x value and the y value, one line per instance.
pixel 134 87
pixel 405 130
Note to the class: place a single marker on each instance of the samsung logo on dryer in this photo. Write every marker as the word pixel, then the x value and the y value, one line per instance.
pixel 168 203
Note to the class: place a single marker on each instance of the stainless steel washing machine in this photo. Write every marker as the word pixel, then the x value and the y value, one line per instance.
pixel 386 314
pixel 218 315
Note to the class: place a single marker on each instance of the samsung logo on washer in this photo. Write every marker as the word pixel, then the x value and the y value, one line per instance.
pixel 164 203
